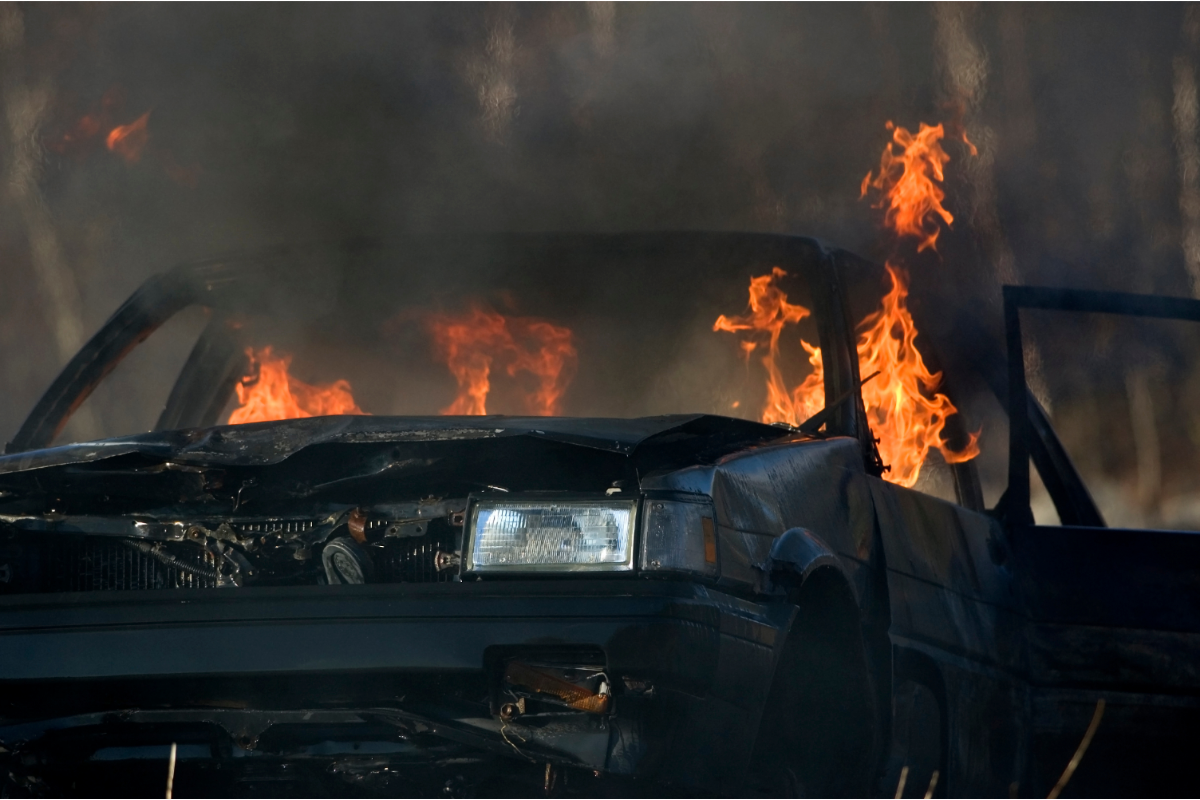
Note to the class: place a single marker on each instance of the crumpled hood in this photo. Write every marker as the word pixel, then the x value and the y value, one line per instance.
pixel 265 443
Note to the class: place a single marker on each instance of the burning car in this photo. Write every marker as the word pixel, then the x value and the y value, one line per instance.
pixel 309 599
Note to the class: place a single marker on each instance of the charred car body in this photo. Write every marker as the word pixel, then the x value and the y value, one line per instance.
pixel 489 605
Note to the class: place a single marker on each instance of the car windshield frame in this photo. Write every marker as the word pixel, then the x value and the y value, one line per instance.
pixel 256 282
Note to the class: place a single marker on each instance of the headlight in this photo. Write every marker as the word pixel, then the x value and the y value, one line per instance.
pixel 515 535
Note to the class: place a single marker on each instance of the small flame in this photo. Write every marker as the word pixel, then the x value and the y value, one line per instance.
pixel 769 312
pixel 908 183
pixel 475 342
pixel 270 393
pixel 83 131
pixel 127 141
pixel 902 404
pixel 80 137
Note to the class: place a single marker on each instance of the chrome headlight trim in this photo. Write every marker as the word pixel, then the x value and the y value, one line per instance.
pixel 608 543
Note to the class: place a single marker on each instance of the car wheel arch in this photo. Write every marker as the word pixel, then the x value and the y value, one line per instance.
pixel 915 674
pixel 820 703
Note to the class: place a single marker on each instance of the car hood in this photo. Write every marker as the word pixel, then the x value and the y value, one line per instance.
pixel 266 443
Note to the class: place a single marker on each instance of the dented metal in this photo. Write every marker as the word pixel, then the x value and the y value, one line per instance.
pixel 785 611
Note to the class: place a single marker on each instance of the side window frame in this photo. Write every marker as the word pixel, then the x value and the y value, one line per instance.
pixel 1030 434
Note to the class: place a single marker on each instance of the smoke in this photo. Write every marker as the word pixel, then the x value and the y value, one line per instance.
pixel 307 122
pixel 1186 114
pixel 493 73
pixel 25 100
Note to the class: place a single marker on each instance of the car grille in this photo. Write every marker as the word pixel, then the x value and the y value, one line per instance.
pixel 39 562
pixel 88 564
pixel 412 560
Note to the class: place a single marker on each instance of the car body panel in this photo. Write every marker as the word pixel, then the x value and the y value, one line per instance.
pixel 1002 634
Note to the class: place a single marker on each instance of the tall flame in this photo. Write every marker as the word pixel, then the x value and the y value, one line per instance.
pixel 475 342
pixel 903 406
pixel 905 411
pixel 768 314
pixel 270 393
pixel 910 171
pixel 127 141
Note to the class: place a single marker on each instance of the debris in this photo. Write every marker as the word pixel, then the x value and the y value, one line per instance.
pixel 510 711
pixel 357 525
pixel 1073 764
pixel 171 770
pixel 574 696
pixel 903 780
pixel 345 561
pixel 443 561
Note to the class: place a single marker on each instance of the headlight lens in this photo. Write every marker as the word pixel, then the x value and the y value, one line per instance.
pixel 520 535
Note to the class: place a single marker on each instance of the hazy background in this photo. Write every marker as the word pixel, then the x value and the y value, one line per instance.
pixel 274 123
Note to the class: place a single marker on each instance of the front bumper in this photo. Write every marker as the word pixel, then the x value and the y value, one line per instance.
pixel 702 661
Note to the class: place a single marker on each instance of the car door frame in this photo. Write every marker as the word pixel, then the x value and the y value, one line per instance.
pixel 1111 614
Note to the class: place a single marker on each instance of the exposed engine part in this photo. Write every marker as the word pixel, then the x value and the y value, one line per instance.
pixel 346 561
pixel 510 711
pixel 356 523
pixel 444 561
pixel 371 751
pixel 406 528
pixel 402 543
pixel 156 550
pixel 242 570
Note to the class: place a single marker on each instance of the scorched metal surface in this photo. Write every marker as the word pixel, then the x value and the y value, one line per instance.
pixel 290 604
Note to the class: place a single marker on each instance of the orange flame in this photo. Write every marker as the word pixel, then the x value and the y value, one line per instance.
pixel 127 141
pixel 904 409
pixel 473 343
pixel 769 313
pixel 270 393
pixel 903 406
pixel 84 129
pixel 908 183
pixel 81 135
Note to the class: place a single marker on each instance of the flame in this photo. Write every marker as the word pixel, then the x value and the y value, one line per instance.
pixel 903 406
pixel 768 314
pixel 270 393
pixel 81 135
pixel 908 183
pixel 83 131
pixel 475 342
pixel 127 141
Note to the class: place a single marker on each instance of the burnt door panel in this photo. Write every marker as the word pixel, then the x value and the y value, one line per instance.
pixel 1112 614
pixel 955 632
